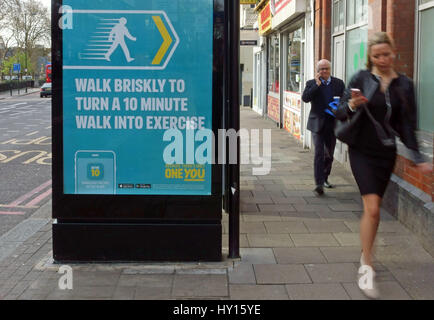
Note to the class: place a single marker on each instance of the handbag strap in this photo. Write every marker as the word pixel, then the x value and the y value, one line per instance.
pixel 370 87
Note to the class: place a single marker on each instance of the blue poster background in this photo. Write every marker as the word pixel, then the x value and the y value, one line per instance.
pixel 95 55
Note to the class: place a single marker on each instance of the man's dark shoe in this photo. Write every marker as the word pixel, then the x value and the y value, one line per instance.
pixel 319 191
pixel 327 185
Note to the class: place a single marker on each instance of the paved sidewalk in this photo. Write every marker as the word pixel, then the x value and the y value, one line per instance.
pixel 294 246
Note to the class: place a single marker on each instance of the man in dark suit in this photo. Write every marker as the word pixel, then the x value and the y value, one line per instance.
pixel 320 92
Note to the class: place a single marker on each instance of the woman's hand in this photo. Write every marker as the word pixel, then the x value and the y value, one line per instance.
pixel 424 167
pixel 357 101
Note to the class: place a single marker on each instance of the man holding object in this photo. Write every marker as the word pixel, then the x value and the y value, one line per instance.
pixel 320 92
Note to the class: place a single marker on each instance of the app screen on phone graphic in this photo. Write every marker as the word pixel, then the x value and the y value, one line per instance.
pixel 95 172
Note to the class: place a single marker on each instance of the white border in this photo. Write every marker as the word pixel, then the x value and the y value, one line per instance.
pixel 129 68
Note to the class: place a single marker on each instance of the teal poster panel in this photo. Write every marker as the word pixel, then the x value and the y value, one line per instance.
pixel 137 96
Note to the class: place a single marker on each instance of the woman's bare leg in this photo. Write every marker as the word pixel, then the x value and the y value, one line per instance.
pixel 369 224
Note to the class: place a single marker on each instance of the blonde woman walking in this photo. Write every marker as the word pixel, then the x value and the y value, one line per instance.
pixel 387 102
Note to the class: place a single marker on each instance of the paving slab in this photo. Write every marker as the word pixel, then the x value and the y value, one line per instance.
pixel 340 216
pixel 155 280
pixel 298 255
pixel 285 227
pixel 281 274
pixel 242 273
pixel 197 286
pixel 252 227
pixel 389 290
pixel 257 292
pixel 269 240
pixel 420 290
pixel 299 216
pixel 342 254
pixel 257 255
pixel 289 200
pixel 321 226
pixel 317 291
pixel 332 272
pixel 261 218
pixel 313 239
pixel 347 238
pixel 152 293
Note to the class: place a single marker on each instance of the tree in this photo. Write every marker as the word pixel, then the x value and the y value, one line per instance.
pixel 29 23
pixel 20 58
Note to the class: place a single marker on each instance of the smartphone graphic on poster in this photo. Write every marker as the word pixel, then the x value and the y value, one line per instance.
pixel 95 172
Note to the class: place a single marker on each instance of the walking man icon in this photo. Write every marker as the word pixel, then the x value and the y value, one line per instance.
pixel 117 36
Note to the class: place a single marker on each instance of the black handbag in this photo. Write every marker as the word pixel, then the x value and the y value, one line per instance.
pixel 348 129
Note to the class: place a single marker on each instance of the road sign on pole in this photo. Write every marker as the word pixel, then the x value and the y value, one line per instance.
pixel 17 67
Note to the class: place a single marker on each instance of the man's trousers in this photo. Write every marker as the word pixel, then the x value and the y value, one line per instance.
pixel 324 142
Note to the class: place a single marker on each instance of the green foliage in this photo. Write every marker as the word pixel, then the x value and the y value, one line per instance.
pixel 19 57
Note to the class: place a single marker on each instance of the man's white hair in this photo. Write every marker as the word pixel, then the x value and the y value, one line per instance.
pixel 322 61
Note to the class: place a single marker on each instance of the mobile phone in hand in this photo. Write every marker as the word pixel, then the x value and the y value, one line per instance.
pixel 355 92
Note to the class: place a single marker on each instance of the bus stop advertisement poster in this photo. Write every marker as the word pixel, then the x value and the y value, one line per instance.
pixel 137 97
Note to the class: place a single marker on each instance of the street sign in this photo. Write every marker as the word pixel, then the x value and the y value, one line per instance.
pixel 248 42
pixel 134 80
pixel 16 67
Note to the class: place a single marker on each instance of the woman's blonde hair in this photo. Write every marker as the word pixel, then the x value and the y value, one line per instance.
pixel 378 38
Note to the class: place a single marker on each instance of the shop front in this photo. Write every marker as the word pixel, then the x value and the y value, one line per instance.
pixel 287 66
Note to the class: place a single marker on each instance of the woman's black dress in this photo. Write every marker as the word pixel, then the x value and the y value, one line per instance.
pixel 372 163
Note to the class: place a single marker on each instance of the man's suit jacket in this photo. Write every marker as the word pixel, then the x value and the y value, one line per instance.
pixel 313 94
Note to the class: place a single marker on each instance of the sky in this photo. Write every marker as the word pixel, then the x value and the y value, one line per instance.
pixel 46 3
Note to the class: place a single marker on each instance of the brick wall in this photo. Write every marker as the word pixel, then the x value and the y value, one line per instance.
pixel 406 170
pixel 378 19
pixel 401 25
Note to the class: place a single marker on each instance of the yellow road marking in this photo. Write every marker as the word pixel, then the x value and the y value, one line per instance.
pixel 167 40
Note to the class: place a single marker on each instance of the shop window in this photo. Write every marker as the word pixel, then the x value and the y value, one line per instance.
pixel 293 74
pixel 426 65
pixel 338 15
pixel 356 51
pixel 357 11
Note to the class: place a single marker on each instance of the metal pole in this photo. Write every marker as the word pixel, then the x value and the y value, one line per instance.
pixel 234 122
